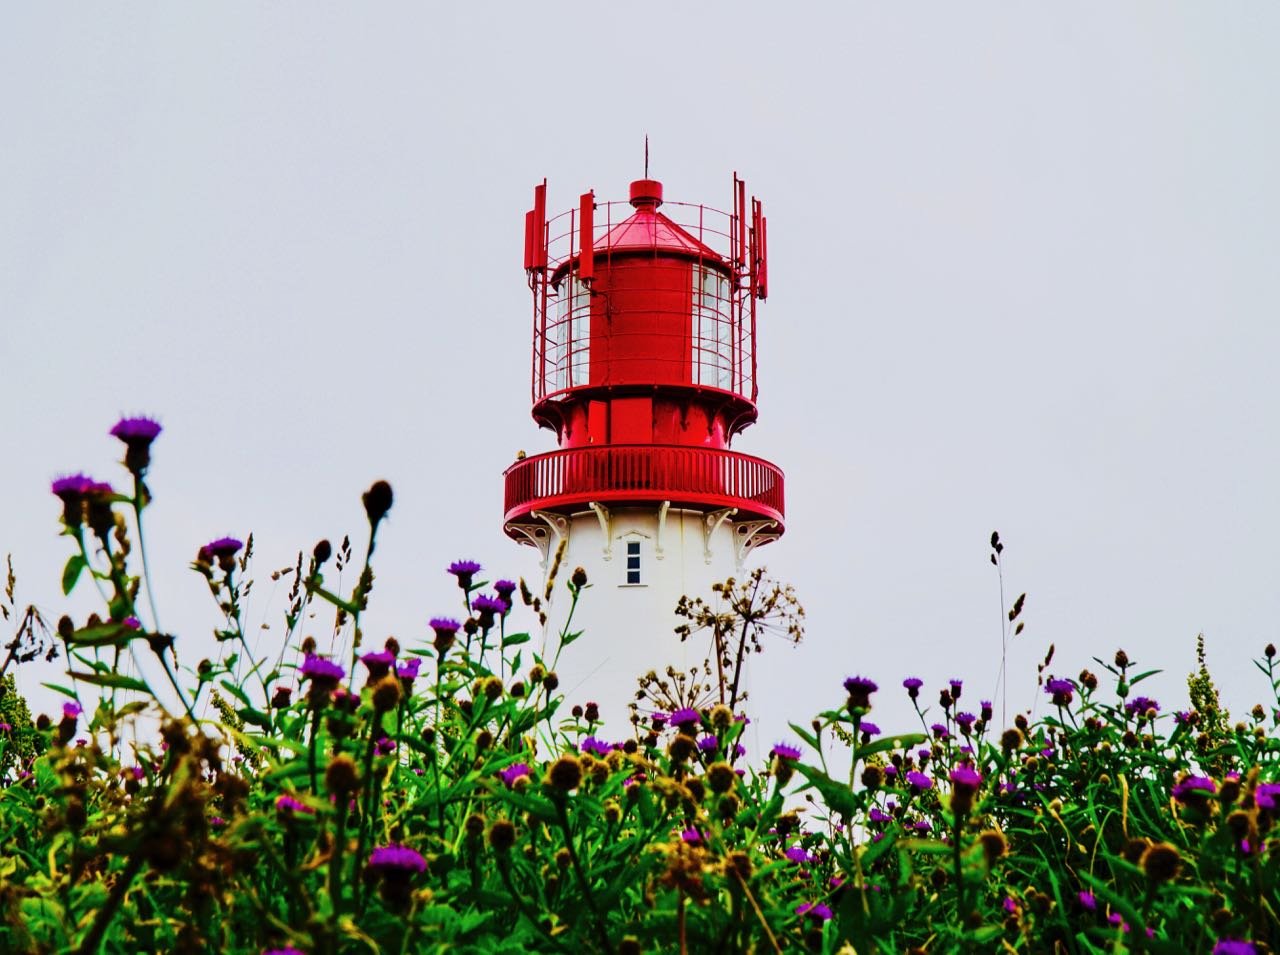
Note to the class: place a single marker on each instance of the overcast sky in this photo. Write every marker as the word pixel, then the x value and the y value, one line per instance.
pixel 1023 277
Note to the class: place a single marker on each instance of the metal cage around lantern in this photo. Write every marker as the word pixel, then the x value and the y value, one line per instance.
pixel 710 339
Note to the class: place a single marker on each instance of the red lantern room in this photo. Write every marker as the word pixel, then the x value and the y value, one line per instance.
pixel 644 359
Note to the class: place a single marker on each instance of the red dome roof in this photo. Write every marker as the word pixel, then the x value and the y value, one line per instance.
pixel 649 230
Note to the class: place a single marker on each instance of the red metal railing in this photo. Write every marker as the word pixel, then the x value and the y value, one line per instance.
pixel 704 477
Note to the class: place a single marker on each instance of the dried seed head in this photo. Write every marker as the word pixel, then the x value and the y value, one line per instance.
pixel 1161 862
pixel 502 835
pixel 387 693
pixel 565 774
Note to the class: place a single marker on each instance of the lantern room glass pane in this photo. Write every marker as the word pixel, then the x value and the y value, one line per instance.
pixel 713 339
pixel 568 355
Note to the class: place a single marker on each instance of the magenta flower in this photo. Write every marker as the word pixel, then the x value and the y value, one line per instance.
pixel 798 855
pixel 465 571
pixel 965 721
pixel 919 781
pixel 879 816
pixel 709 743
pixel 378 663
pixel 966 778
pixel 486 607
pixel 868 728
pixel 860 689
pixel 321 670
pixel 1087 900
pixel 1231 946
pixel 597 747
pixel 691 836
pixel 1060 690
pixel 287 805
pixel 1193 788
pixel 505 588
pixel 71 710
pixel 136 429
pixel 513 772
pixel 396 860
pixel 912 685
pixel 223 547
pixel 785 751
pixel 1140 704
pixel 684 716
pixel 940 731
pixel 814 910
pixel 1010 905
pixel 1265 795
pixel 956 686
pixel 408 671
pixel 283 951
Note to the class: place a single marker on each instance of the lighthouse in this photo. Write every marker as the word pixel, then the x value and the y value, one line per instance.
pixel 644 367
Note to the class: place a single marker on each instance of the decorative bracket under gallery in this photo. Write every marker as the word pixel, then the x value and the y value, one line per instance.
pixel 662 527
pixel 602 515
pixel 553 526
pixel 751 534
pixel 710 524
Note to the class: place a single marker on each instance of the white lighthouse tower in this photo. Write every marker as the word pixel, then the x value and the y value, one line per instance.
pixel 644 366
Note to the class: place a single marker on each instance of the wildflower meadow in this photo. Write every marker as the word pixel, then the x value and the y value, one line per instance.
pixel 438 793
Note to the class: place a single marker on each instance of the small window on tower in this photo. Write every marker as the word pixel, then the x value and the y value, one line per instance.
pixel 633 562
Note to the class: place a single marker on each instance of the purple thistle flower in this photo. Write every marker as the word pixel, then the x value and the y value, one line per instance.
pixel 283 951
pixel 684 716
pixel 785 751
pixel 513 772
pixel 136 429
pixel 71 710
pixel 798 855
pixel 814 910
pixel 709 743
pixel 1265 795
pixel 918 780
pixel 965 721
pixel 966 778
pixel 1087 900
pixel 956 686
pixel 396 860
pixel 912 685
pixel 922 825
pixel 408 670
pixel 288 805
pixel 739 750
pixel 379 663
pixel 691 836
pixel 1061 690
pixel 486 607
pixel 1193 788
pixel 1183 717
pixel 860 689
pixel 384 746
pixel 72 485
pixel 464 570
pixel 891 771
pixel 223 547
pixel 321 670
pixel 596 746
pixel 940 731
pixel 1231 946
pixel 868 728
pixel 1010 905
pixel 505 588
pixel 879 816
pixel 1140 704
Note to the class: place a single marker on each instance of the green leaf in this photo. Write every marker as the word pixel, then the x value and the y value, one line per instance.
pixel 105 635
pixel 117 681
pixel 235 691
pixel 60 689
pixel 805 735
pixel 884 744
pixel 838 796
pixel 71 573
pixel 515 640
pixel 256 717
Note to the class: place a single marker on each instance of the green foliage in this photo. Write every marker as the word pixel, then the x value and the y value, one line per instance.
pixel 433 796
